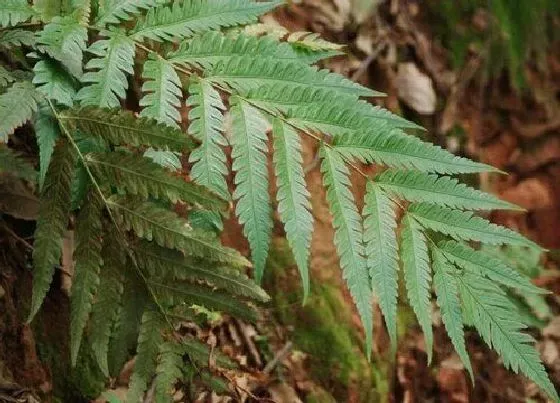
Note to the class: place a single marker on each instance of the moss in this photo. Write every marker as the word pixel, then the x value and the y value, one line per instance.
pixel 322 329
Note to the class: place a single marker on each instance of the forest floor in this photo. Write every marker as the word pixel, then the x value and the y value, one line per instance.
pixel 314 353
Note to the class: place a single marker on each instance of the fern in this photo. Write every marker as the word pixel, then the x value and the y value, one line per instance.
pixel 463 225
pixel 115 11
pixel 447 291
pixel 17 106
pixel 381 248
pixel 249 146
pixel 494 316
pixel 52 222
pixel 209 160
pixel 148 248
pixel 445 191
pixel 139 176
pixel 417 277
pixel 88 261
pixel 107 76
pixel 13 12
pixel 294 205
pixel 162 90
pixel 348 236
pixel 182 19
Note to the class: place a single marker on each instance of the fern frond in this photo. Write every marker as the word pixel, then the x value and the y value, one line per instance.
pixel 199 353
pixel 64 39
pixel 162 92
pixel 249 147
pixel 51 224
pixel 127 323
pixel 495 318
pixel 107 301
pixel 140 176
pixel 149 341
pixel 211 48
pixel 54 82
pixel 179 293
pixel 486 265
pixel 417 277
pixel 400 150
pixel 167 263
pixel 348 236
pixel 165 159
pixel 16 38
pixel 206 125
pixel 13 12
pixel 444 191
pixel 47 132
pixel 11 163
pixel 149 221
pixel 183 19
pixel 6 78
pixel 115 11
pixel 17 106
pixel 245 74
pixel 122 127
pixel 294 203
pixel 380 238
pixel 447 291
pixel 168 371
pixel 283 97
pixel 88 261
pixel 462 225
pixel 107 76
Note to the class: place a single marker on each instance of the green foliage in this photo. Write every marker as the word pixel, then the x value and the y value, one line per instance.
pixel 249 147
pixel 294 205
pixel 348 236
pixel 17 106
pixel 148 239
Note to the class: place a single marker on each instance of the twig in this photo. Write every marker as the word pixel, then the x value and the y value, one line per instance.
pixel 279 357
pixel 16 236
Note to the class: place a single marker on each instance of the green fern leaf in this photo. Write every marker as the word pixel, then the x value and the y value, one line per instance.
pixel 166 159
pixel 348 236
pixel 88 261
pixel 17 106
pixel 54 82
pixel 168 371
pixel 149 340
pixel 115 11
pixel 206 125
pixel 168 263
pixel 249 147
pixel 139 176
pixel 162 89
pixel 6 78
pixel 380 238
pixel 293 197
pixel 107 76
pixel 495 318
pixel 13 12
pixel 211 48
pixel 16 38
pixel 52 222
pixel 444 191
pixel 244 74
pixel 107 301
pixel 122 127
pixel 127 323
pixel 486 265
pixel 178 293
pixel 417 277
pixel 282 97
pixel 200 354
pixel 149 221
pixel 11 163
pixel 183 19
pixel 446 286
pixel 462 225
pixel 47 132
pixel 64 39
pixel 400 150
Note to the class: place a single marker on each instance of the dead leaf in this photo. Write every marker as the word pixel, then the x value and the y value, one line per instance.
pixel 17 199
pixel 416 89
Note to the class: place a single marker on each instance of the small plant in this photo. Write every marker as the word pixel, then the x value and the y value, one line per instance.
pixel 139 265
